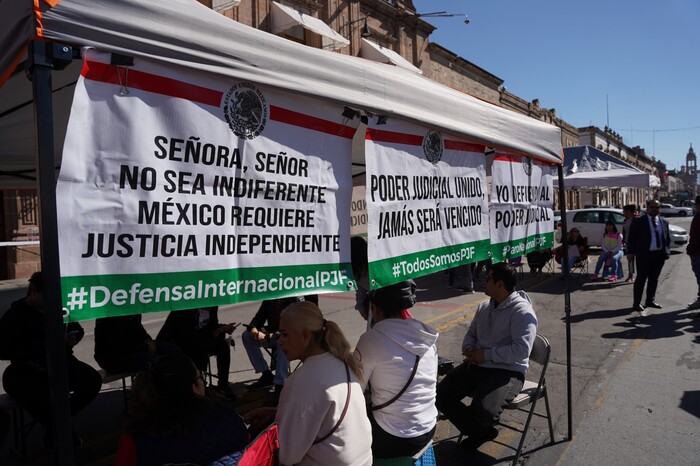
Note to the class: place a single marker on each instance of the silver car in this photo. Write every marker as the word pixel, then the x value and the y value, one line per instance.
pixel 591 224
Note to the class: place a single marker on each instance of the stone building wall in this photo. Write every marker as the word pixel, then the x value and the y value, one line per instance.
pixel 20 222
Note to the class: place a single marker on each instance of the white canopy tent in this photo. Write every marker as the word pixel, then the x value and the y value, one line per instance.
pixel 590 167
pixel 186 33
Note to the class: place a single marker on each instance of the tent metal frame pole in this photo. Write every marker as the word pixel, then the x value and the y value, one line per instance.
pixel 567 297
pixel 44 57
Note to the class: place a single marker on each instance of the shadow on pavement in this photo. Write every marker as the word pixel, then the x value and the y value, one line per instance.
pixel 602 314
pixel 690 402
pixel 448 451
pixel 656 325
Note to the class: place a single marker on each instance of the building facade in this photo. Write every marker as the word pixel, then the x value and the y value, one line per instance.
pixel 609 141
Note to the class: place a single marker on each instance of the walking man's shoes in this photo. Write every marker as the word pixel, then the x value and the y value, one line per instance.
pixel 638 308
pixel 654 304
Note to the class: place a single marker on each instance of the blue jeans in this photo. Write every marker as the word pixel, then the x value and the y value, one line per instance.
pixel 616 264
pixel 252 348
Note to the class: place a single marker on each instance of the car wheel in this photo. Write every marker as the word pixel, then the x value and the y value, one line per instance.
pixel 684 213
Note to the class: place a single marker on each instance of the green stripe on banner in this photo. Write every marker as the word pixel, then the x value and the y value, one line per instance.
pixel 90 297
pixel 520 247
pixel 395 269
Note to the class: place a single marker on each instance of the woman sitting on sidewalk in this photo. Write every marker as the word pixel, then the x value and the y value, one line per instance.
pixel 611 253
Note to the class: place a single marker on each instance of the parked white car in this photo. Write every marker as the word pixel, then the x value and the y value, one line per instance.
pixel 591 224
pixel 668 210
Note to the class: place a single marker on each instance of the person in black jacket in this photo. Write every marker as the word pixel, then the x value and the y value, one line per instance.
pixel 123 345
pixel 649 244
pixel 26 379
pixel 200 335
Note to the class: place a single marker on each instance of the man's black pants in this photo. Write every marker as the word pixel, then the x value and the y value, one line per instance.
pixel 649 265
pixel 491 390
pixel 28 385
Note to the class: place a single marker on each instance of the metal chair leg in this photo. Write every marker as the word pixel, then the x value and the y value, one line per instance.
pixel 527 426
pixel 549 415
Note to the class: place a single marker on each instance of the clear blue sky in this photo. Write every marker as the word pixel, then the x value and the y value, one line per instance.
pixel 643 55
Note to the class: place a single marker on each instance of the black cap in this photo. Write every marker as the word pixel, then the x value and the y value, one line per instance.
pixel 395 298
pixel 36 281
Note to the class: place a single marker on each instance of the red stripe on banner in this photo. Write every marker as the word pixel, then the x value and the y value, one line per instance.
pixel 414 140
pixel 464 146
pixel 379 135
pixel 133 79
pixel 148 82
pixel 512 158
pixel 290 117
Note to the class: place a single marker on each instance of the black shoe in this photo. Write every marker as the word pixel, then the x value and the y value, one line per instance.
pixel 265 381
pixel 655 305
pixel 473 442
pixel 637 308
pixel 467 290
pixel 224 391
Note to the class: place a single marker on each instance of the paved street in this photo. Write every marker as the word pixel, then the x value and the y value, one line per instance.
pixel 635 380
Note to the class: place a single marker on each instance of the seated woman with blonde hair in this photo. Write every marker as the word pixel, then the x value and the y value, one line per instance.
pixel 321 414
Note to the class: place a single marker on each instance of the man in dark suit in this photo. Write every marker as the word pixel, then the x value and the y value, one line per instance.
pixel 649 243
pixel 199 334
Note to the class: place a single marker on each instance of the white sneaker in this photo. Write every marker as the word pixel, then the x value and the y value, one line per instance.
pixel 695 305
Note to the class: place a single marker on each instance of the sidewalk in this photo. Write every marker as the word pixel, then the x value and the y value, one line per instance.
pixel 648 408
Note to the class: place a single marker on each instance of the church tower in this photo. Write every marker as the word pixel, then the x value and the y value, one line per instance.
pixel 691 178
pixel 691 161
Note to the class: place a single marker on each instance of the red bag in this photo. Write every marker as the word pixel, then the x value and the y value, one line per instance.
pixel 264 450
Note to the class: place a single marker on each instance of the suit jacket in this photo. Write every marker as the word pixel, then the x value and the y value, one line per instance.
pixel 181 328
pixel 640 236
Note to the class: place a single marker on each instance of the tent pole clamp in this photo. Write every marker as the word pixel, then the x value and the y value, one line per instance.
pixel 54 56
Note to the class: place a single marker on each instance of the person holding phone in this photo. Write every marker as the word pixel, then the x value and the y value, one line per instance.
pixel 200 335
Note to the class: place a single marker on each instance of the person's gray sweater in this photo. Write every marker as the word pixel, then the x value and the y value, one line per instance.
pixel 506 332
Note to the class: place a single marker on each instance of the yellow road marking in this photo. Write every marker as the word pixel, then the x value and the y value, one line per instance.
pixel 454 311
pixel 452 323
pixel 506 437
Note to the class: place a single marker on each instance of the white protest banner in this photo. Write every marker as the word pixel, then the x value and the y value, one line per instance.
pixel 181 190
pixel 358 212
pixel 521 206
pixel 426 202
